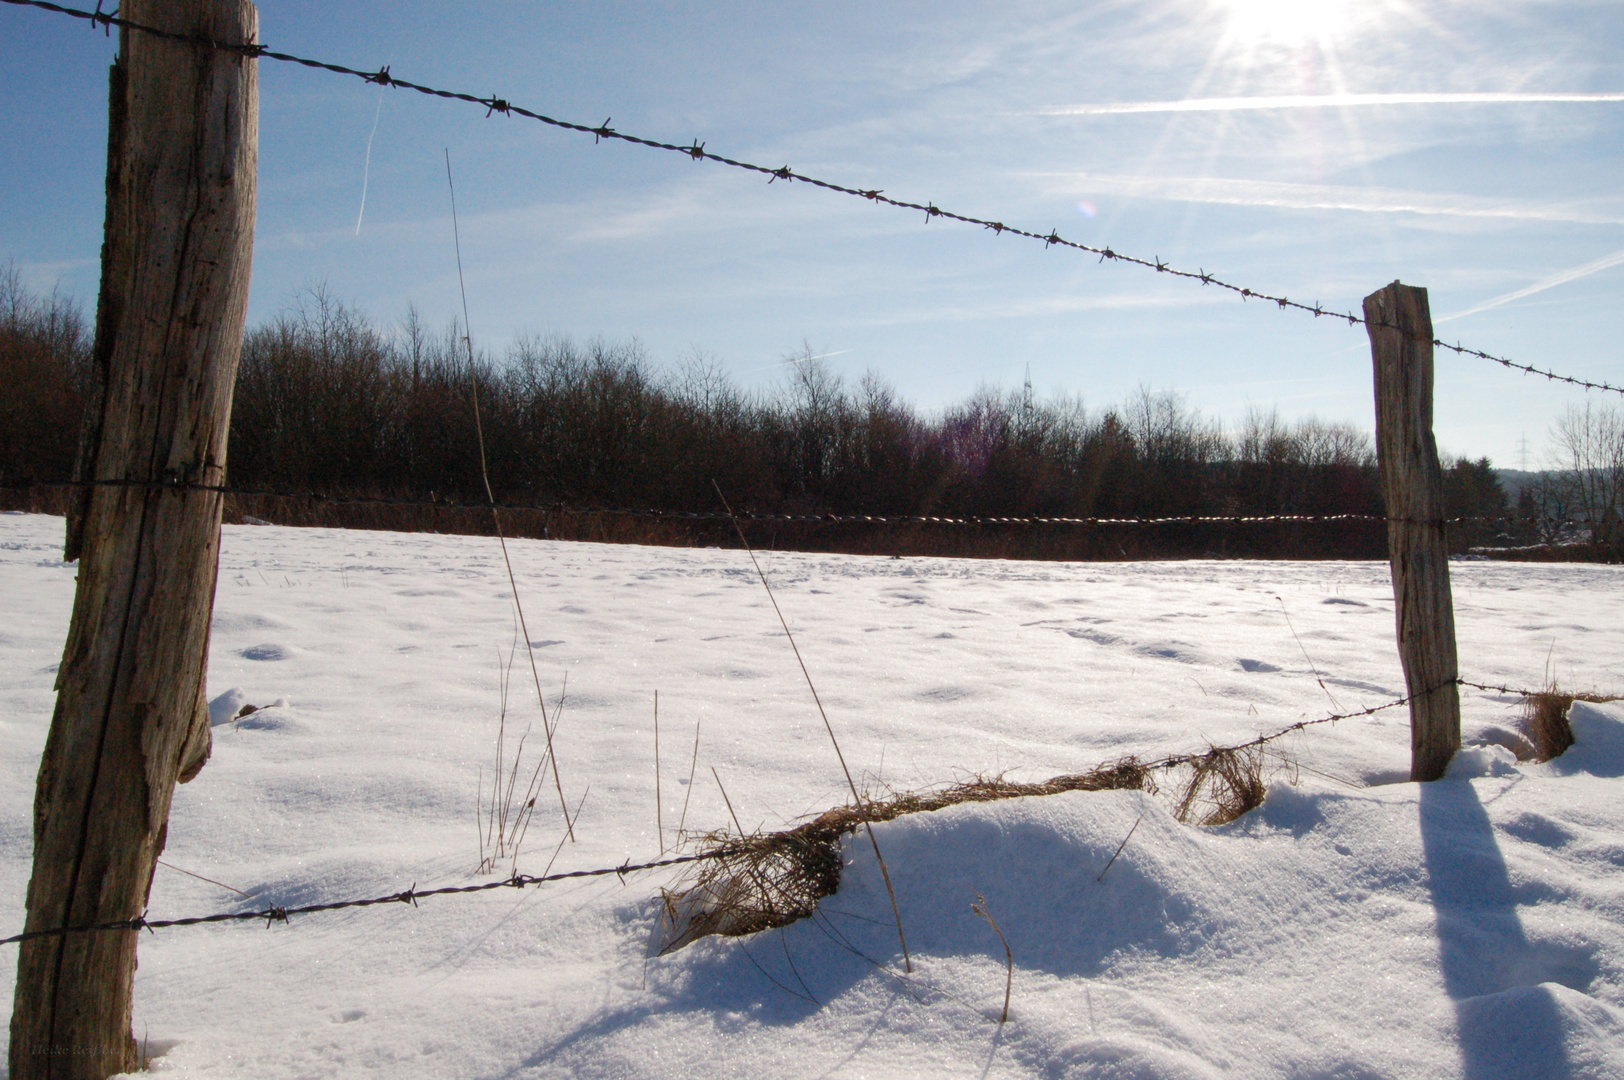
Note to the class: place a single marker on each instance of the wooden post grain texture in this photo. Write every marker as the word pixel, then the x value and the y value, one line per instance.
pixel 131 719
pixel 1400 326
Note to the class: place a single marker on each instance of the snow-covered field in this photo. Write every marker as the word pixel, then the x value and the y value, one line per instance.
pixel 1353 927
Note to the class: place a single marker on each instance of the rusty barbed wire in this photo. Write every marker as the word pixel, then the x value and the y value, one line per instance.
pixel 1185 759
pixel 563 508
pixel 696 151
pixel 277 914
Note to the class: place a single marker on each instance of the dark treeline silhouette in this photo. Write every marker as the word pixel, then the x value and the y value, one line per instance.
pixel 45 382
pixel 328 401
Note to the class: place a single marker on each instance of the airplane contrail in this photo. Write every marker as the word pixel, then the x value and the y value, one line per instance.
pixel 1606 262
pixel 1324 101
pixel 366 170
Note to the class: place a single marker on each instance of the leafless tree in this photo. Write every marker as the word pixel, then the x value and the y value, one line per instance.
pixel 1587 457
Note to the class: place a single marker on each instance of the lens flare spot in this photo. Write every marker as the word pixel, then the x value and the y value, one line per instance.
pixel 1087 209
pixel 1285 21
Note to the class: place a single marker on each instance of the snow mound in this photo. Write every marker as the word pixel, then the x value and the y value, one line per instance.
pixel 224 708
pixel 1491 759
pixel 1300 924
pixel 233 706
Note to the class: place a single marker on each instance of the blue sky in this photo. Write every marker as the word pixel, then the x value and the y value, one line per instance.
pixel 1313 150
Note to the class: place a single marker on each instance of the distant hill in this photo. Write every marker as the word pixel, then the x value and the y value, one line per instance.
pixel 1514 480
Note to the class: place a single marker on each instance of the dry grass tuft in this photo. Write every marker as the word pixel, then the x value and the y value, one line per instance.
pixel 505 819
pixel 1544 719
pixel 1225 782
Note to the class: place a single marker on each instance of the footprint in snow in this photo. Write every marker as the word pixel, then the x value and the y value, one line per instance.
pixel 947 693
pixel 1255 665
pixel 267 651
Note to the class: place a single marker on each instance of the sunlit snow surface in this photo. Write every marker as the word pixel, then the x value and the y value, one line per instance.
pixel 1351 928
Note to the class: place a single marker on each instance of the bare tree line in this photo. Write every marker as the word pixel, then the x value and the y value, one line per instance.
pixel 330 401
pixel 327 400
pixel 1583 491
pixel 45 381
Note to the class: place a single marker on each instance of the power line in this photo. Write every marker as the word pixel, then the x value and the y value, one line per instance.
pixel 696 151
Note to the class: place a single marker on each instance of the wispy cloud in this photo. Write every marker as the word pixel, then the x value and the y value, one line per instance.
pixel 58 276
pixel 1323 101
pixel 1606 262
pixel 1231 192
pixel 1037 307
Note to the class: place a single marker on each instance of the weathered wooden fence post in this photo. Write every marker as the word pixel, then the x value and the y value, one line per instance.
pixel 131 719
pixel 1400 326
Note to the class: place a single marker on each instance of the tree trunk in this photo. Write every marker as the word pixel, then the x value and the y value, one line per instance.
pixel 131 719
pixel 1400 326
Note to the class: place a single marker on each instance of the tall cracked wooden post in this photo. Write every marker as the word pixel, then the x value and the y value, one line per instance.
pixel 1400 326
pixel 131 717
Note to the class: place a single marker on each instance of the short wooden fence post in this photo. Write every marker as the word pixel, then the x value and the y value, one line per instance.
pixel 131 719
pixel 1400 326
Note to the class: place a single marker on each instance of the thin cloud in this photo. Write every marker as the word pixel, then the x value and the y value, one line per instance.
pixel 1606 262
pixel 1323 101
pixel 1230 192
pixel 1038 307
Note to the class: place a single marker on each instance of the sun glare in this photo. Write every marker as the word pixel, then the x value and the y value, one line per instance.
pixel 1288 22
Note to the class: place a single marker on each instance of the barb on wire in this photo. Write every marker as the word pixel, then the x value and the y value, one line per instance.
pixel 556 507
pixel 696 151
pixel 1516 691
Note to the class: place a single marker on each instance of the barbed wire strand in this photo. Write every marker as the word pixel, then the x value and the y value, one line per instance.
pixel 275 914
pixel 696 151
pixel 278 914
pixel 556 507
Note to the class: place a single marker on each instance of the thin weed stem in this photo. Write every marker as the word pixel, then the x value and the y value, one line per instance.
pixel 659 811
pixel 496 519
pixel 200 877
pixel 1335 704
pixel 686 795
pixel 1120 846
pixel 980 908
pixel 885 871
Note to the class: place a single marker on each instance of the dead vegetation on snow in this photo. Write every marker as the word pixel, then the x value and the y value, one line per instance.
pixel 1544 720
pixel 771 879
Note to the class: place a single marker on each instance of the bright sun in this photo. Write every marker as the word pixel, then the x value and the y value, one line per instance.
pixel 1285 21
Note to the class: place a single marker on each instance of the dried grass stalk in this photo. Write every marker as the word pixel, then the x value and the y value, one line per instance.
pixel 1226 782
pixel 1545 719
